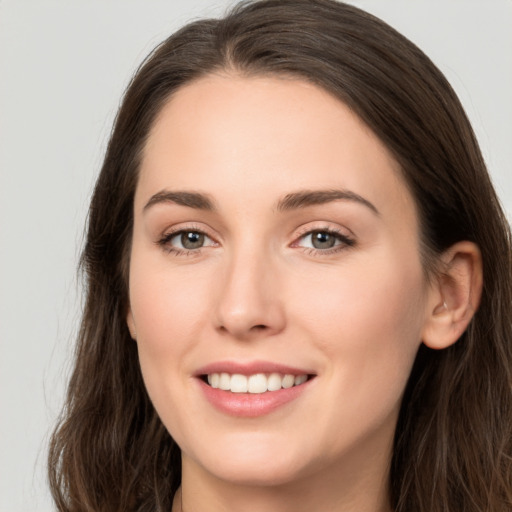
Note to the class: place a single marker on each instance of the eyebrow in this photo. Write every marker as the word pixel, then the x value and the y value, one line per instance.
pixel 304 198
pixel 182 198
pixel 292 201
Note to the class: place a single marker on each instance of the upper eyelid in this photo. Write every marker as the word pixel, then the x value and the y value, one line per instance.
pixel 166 236
pixel 337 234
pixel 322 226
pixel 297 233
pixel 184 227
pixel 164 241
pixel 173 234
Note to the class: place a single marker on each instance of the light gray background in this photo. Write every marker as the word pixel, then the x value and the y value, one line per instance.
pixel 63 67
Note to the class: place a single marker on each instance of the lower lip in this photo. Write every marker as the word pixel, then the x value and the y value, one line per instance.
pixel 250 405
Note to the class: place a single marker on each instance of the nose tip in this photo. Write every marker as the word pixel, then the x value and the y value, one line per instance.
pixel 249 304
pixel 243 329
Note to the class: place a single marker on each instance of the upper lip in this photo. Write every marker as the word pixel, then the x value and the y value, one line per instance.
pixel 250 368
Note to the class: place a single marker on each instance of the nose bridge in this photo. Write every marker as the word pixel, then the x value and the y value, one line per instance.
pixel 248 302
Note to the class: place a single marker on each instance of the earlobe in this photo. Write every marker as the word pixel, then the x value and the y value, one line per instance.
pixel 131 324
pixel 455 295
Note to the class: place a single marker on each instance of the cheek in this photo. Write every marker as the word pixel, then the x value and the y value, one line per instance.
pixel 368 321
pixel 368 325
pixel 166 305
pixel 375 300
pixel 168 309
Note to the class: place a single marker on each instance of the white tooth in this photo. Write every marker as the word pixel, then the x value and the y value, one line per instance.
pixel 288 381
pixel 238 383
pixel 225 381
pixel 300 379
pixel 213 379
pixel 274 382
pixel 257 383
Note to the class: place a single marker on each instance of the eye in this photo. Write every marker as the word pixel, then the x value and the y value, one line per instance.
pixel 324 239
pixel 186 240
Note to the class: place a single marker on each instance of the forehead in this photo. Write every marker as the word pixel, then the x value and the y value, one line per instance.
pixel 261 136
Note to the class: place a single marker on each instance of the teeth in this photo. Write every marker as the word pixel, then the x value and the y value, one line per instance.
pixel 300 379
pixel 213 380
pixel 238 383
pixel 274 381
pixel 224 381
pixel 288 381
pixel 257 383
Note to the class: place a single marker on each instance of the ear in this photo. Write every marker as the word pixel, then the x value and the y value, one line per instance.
pixel 454 296
pixel 131 324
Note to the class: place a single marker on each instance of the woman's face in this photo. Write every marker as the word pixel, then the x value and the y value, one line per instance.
pixel 274 241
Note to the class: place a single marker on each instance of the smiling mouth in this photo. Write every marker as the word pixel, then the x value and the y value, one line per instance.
pixel 257 383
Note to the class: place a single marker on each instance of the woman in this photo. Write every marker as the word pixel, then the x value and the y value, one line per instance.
pixel 298 282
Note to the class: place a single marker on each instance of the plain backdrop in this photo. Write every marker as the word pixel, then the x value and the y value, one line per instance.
pixel 63 68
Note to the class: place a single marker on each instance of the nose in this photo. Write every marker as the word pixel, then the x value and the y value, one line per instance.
pixel 249 302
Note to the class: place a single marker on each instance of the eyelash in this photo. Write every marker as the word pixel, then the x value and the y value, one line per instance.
pixel 345 242
pixel 164 242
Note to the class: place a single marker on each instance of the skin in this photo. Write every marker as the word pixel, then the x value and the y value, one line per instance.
pixel 354 315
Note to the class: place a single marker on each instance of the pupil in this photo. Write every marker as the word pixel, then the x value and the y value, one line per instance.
pixel 322 240
pixel 192 240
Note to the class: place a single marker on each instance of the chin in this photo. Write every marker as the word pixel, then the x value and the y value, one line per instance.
pixel 245 473
pixel 253 463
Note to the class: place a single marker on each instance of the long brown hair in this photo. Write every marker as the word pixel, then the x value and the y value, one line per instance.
pixel 453 443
